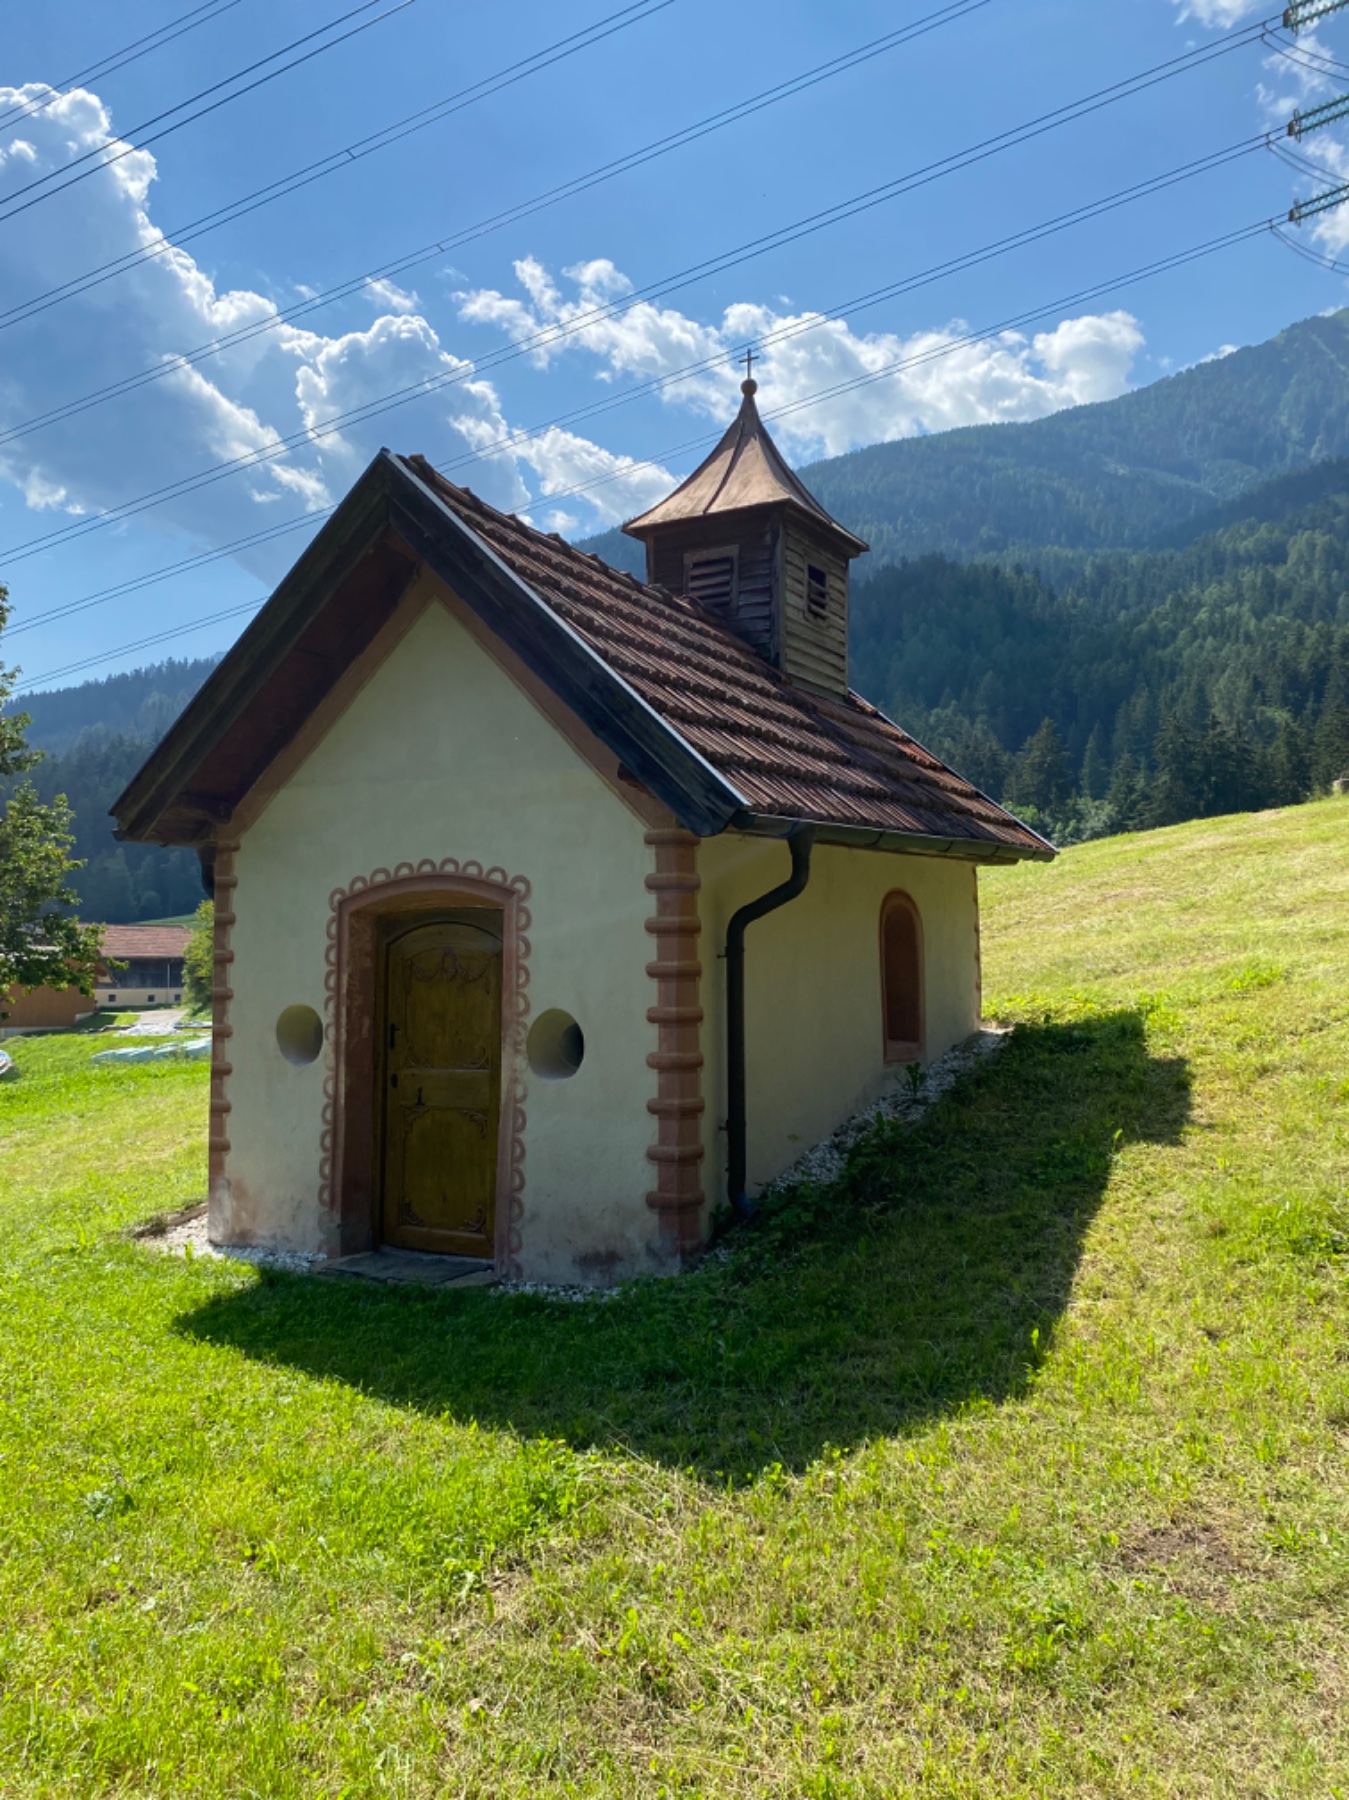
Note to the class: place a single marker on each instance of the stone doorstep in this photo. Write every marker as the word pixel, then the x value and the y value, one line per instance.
pixel 415 1266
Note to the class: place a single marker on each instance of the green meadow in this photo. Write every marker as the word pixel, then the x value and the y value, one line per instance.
pixel 1015 1464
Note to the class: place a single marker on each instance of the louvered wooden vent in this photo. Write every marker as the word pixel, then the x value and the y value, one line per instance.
pixel 817 591
pixel 710 579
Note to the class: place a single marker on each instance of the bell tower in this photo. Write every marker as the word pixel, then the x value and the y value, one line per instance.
pixel 747 540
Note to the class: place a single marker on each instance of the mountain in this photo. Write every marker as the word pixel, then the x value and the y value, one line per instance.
pixel 1120 474
pixel 1121 614
pixel 141 703
pixel 1232 646
pixel 94 737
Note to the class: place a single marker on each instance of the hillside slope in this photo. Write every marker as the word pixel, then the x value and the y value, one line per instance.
pixel 1249 622
pixel 1013 1466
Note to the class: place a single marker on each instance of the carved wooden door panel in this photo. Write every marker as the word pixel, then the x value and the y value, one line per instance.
pixel 442 1087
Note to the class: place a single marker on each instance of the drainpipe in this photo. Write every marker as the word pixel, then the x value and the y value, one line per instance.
pixel 801 842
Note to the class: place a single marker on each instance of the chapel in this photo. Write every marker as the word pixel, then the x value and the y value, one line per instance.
pixel 555 909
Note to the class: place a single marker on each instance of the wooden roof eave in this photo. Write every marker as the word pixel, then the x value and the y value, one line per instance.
pixel 163 803
pixel 895 843
pixel 733 516
pixel 164 782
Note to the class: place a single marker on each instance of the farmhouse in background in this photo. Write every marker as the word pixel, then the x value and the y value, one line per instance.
pixel 42 1009
pixel 149 972
pixel 554 909
pixel 150 965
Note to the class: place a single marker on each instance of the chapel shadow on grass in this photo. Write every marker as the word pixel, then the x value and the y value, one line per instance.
pixel 916 1285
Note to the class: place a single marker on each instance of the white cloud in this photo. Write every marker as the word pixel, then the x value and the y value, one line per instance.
pixel 380 292
pixel 246 400
pixel 942 382
pixel 1217 14
pixel 293 382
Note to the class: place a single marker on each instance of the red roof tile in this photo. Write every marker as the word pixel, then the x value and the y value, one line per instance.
pixel 125 941
pixel 789 752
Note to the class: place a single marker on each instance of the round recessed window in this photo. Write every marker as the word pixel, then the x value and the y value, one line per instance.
pixel 299 1034
pixel 556 1045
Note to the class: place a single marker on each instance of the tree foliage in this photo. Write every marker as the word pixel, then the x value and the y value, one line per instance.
pixel 199 958
pixel 1211 677
pixel 95 737
pixel 41 944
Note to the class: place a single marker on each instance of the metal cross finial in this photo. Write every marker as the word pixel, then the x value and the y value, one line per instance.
pixel 749 385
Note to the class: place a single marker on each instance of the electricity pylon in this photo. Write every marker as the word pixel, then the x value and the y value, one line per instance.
pixel 1307 12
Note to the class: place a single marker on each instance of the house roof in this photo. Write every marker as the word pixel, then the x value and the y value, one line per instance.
pixel 693 713
pixel 745 470
pixel 124 941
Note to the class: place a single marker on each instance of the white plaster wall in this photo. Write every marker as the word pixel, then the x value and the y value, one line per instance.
pixel 441 754
pixel 813 1026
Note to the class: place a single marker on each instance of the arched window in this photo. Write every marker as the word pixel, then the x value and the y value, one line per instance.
pixel 902 978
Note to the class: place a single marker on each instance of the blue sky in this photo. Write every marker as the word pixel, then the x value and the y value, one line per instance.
pixel 451 319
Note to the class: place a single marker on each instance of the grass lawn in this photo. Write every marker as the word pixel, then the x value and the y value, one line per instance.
pixel 1015 1465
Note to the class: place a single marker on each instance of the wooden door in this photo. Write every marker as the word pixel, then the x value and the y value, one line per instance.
pixel 442 1084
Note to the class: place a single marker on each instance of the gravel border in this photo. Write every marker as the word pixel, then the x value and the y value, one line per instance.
pixel 178 1232
pixel 185 1231
pixel 824 1163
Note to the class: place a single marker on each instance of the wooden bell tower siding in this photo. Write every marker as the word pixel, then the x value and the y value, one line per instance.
pixel 444 713
pixel 746 540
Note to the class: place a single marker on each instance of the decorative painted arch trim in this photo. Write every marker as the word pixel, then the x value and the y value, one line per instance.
pixel 347 1178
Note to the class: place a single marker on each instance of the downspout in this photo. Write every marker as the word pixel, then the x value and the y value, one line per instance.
pixel 801 842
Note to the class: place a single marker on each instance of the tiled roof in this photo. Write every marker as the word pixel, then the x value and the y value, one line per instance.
pixel 789 752
pixel 124 941
pixel 746 469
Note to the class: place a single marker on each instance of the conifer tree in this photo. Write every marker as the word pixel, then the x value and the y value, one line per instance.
pixel 1095 768
pixel 1043 775
pixel 41 945
pixel 1177 790
pixel 1289 778
pixel 1330 753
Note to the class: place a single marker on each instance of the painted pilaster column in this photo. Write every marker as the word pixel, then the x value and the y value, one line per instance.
pixel 221 1032
pixel 677 1153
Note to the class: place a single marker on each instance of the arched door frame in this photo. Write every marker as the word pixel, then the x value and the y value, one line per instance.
pixel 349 1173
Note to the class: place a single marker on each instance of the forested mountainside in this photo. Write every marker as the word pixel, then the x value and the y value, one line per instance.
pixel 1119 474
pixel 94 738
pixel 1148 687
pixel 142 703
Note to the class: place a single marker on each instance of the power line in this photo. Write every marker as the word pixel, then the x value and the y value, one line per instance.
pixel 659 384
pixel 553 334
pixel 1097 291
pixel 514 440
pixel 163 637
pixel 88 164
pixel 166 242
pixel 410 260
pixel 118 59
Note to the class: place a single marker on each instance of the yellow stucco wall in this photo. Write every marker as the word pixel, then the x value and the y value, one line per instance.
pixel 813 1026
pixel 442 754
